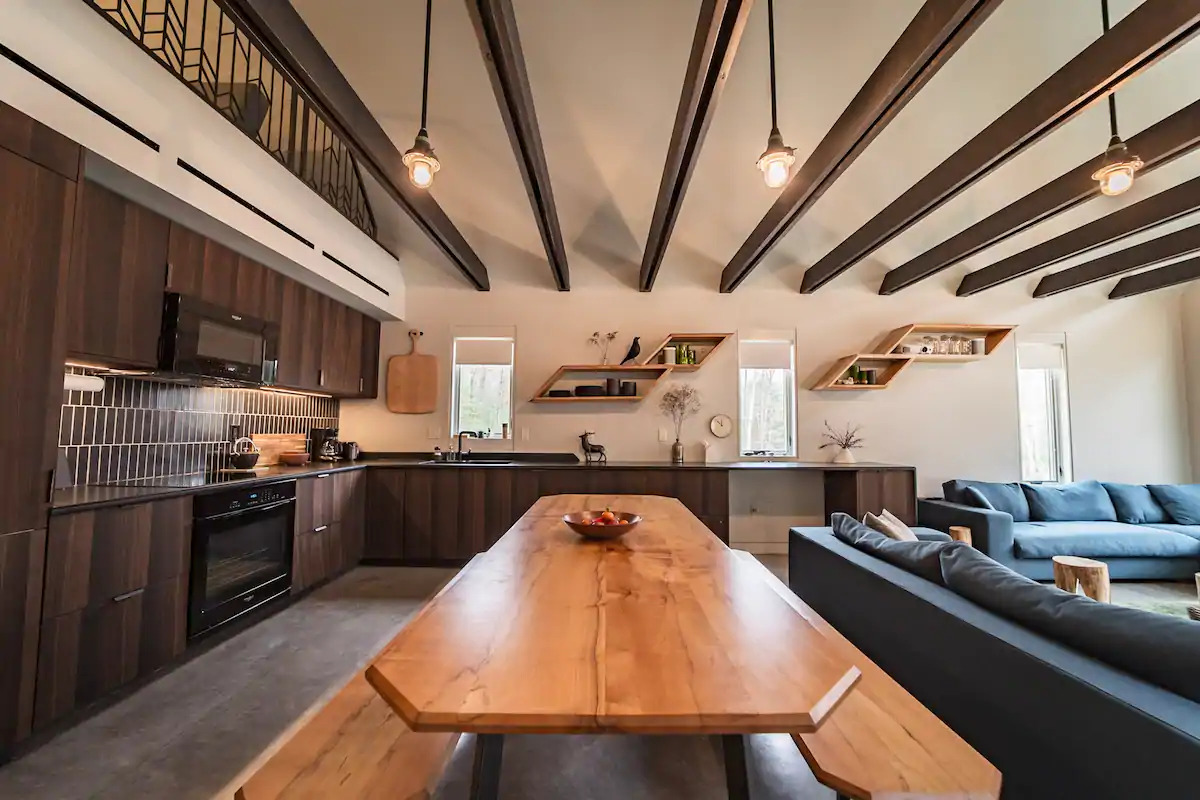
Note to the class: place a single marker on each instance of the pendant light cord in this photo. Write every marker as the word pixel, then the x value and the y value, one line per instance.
pixel 425 76
pixel 771 44
pixel 1112 96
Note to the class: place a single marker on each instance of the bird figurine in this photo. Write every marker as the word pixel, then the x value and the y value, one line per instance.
pixel 635 350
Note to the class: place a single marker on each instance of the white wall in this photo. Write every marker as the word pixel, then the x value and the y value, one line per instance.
pixel 1127 382
pixel 69 40
pixel 1191 342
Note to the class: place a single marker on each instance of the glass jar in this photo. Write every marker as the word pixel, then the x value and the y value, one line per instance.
pixel 943 345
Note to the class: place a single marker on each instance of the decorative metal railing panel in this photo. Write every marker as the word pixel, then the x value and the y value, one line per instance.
pixel 213 53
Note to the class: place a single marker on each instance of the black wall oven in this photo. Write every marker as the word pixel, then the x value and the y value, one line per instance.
pixel 241 552
pixel 204 341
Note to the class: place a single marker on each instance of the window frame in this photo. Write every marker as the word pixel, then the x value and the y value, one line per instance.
pixel 455 424
pixel 782 337
pixel 1058 404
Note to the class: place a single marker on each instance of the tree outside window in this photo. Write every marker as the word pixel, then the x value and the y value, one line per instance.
pixel 483 386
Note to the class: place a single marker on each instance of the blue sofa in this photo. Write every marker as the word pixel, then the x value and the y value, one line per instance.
pixel 1141 532
pixel 1058 721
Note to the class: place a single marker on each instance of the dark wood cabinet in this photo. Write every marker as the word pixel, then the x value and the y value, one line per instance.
pixel 370 357
pixel 115 605
pixel 199 267
pixel 31 140
pixel 859 491
pixel 22 561
pixel 386 490
pixel 300 337
pixel 330 509
pixel 114 291
pixel 37 214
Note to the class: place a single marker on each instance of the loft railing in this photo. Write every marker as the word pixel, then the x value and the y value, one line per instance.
pixel 208 48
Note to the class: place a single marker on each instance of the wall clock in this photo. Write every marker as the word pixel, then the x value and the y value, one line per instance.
pixel 721 426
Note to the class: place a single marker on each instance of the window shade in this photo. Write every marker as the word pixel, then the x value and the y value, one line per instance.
pixel 1040 355
pixel 765 355
pixel 483 351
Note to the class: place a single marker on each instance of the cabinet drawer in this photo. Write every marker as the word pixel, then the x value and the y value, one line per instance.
pixel 95 556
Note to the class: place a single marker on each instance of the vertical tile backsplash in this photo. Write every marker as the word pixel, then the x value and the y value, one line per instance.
pixel 139 428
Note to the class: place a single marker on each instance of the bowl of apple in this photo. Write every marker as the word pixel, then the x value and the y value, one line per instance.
pixel 606 524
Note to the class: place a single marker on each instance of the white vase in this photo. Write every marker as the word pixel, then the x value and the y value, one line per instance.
pixel 844 456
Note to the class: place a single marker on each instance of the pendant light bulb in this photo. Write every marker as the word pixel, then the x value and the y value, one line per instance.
pixel 421 162
pixel 1116 174
pixel 776 161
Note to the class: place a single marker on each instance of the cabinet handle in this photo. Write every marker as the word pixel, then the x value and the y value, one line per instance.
pixel 170 273
pixel 123 597
pixel 320 377
pixel 362 385
pixel 323 475
pixel 318 530
pixel 50 487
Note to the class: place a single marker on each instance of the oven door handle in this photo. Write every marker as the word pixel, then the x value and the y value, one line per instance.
pixel 254 510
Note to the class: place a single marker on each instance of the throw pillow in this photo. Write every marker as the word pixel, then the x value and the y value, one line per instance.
pixel 1181 502
pixel 891 526
pixel 1135 504
pixel 919 558
pixel 1006 497
pixel 1085 501
pixel 1157 648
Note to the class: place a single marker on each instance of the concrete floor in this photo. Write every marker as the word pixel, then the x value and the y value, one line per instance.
pixel 198 731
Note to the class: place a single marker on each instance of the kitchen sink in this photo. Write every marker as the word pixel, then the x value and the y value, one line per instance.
pixel 480 463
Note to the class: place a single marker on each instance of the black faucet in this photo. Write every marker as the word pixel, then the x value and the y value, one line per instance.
pixel 461 434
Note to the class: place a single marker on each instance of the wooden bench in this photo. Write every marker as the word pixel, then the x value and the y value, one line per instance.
pixel 354 748
pixel 881 741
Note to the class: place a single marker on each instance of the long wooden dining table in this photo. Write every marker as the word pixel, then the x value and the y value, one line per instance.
pixel 663 631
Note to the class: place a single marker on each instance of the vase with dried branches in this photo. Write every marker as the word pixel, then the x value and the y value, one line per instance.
pixel 602 341
pixel 679 402
pixel 846 441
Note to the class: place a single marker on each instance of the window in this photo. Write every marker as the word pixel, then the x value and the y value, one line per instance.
pixel 1045 415
pixel 767 395
pixel 482 391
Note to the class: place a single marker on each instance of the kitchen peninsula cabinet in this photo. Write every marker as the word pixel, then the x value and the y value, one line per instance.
pixel 114 291
pixel 115 601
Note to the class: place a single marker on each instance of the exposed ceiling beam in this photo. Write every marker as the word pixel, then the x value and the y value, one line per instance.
pixel 939 28
pixel 718 33
pixel 1155 210
pixel 1159 144
pixel 1160 278
pixel 496 26
pixel 292 43
pixel 1147 254
pixel 1147 33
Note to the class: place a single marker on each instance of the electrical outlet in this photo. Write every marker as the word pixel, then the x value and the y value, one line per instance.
pixel 662 435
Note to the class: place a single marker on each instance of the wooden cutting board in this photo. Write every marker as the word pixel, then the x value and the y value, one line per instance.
pixel 412 381
pixel 270 445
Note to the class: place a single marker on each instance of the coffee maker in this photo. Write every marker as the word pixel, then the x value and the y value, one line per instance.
pixel 323 444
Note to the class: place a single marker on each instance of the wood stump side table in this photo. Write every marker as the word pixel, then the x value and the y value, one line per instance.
pixel 961 533
pixel 1092 575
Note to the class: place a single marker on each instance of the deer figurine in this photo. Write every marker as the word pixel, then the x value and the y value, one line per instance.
pixel 592 452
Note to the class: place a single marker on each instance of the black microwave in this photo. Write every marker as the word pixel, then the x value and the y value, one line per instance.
pixel 209 343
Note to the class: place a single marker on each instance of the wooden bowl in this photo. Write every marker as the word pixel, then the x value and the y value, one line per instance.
pixel 296 459
pixel 581 523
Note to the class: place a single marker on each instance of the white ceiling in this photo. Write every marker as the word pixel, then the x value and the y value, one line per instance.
pixel 606 76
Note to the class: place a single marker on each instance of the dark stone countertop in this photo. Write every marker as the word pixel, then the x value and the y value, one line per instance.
pixel 82 498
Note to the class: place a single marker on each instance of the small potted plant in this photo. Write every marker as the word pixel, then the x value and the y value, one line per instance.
pixel 846 441
pixel 679 402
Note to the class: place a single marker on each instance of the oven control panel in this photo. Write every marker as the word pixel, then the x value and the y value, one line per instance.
pixel 243 499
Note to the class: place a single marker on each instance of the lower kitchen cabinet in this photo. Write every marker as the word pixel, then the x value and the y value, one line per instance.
pixel 329 527
pixel 445 515
pixel 115 605
pixel 22 561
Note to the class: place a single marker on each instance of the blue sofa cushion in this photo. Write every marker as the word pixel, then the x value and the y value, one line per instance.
pixel 1135 504
pixel 919 558
pixel 1182 503
pixel 1006 497
pixel 1099 540
pixel 1155 647
pixel 1187 530
pixel 1069 502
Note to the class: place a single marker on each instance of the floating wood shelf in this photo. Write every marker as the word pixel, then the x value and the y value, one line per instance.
pixel 705 343
pixel 890 363
pixel 580 373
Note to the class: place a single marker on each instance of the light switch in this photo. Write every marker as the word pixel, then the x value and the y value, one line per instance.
pixel 662 435
pixel 524 434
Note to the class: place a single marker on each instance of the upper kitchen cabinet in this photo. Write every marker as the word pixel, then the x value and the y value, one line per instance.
pixel 114 291
pixel 259 290
pixel 370 358
pixel 37 213
pixel 300 336
pixel 199 267
pixel 341 349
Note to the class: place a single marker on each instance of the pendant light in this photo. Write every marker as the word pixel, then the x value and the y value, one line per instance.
pixel 776 161
pixel 1116 173
pixel 421 162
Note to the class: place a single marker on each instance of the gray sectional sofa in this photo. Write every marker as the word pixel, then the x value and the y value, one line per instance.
pixel 1141 532
pixel 1068 698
